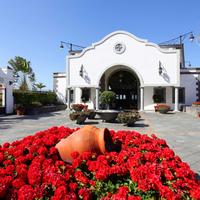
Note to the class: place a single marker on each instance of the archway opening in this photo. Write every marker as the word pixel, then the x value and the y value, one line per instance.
pixel 125 84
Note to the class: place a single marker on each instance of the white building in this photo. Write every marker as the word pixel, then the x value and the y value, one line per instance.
pixel 139 72
pixel 6 90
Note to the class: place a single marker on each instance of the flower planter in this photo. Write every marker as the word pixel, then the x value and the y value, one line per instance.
pixel 81 118
pixel 128 118
pixel 108 115
pixel 20 111
pixel 162 108
pixel 163 111
pixel 91 114
pixel 145 168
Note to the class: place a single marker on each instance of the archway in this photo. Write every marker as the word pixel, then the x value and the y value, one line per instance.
pixel 125 83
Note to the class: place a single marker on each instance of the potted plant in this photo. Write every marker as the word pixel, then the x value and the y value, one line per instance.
pixel 79 113
pixel 162 108
pixel 90 113
pixel 81 118
pixel 196 104
pixel 107 98
pixel 77 107
pixel 128 118
pixel 20 109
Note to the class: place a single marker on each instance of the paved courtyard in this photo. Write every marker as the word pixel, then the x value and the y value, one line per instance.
pixel 180 130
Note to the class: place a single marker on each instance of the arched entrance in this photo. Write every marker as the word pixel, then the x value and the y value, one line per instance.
pixel 125 84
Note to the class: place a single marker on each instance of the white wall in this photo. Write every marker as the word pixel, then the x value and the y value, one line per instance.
pixel 6 78
pixel 188 81
pixel 59 86
pixel 141 56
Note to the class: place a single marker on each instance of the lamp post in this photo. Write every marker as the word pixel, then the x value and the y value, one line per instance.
pixel 70 46
pixel 179 39
pixel 178 44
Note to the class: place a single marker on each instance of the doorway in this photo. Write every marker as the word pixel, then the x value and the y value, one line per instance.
pixel 126 86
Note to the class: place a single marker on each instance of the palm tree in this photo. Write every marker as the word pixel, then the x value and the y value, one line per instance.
pixel 39 86
pixel 22 71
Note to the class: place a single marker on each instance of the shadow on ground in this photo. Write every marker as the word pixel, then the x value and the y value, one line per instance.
pixel 7 121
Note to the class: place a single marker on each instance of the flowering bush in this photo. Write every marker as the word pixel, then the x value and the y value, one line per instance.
pixel 79 107
pixel 197 103
pixel 80 113
pixel 145 168
pixel 163 108
pixel 128 118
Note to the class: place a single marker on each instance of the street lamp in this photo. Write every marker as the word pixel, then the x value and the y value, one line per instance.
pixel 70 46
pixel 177 43
pixel 179 39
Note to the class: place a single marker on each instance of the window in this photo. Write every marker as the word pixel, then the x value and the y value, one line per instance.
pixel 181 95
pixel 159 95
pixel 86 93
pixel 71 96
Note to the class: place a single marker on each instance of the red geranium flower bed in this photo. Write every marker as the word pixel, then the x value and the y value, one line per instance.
pixel 145 168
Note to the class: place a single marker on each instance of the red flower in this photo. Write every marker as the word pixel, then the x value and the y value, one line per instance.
pixel 79 176
pixel 26 192
pixel 73 187
pixel 60 193
pixel 18 183
pixel 32 169
pixel 1 157
pixel 84 193
pixel 75 154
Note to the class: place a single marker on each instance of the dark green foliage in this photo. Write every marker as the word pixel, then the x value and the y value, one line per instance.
pixel 107 98
pixel 128 118
pixel 29 98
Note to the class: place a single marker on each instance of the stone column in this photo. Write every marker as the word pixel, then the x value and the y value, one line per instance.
pixel 3 91
pixel 68 98
pixel 97 99
pixel 141 98
pixel 176 107
pixel 9 99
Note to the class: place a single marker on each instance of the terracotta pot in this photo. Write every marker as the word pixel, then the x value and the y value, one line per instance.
pixel 20 111
pixel 88 138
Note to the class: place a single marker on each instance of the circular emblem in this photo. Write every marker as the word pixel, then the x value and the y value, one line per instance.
pixel 119 48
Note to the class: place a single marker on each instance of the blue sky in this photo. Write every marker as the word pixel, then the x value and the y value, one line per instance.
pixel 33 29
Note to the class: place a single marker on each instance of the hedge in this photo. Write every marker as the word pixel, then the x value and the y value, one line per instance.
pixel 29 98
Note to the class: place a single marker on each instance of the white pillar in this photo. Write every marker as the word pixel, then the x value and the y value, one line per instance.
pixel 176 109
pixel 141 98
pixel 9 99
pixel 3 92
pixel 97 99
pixel 68 98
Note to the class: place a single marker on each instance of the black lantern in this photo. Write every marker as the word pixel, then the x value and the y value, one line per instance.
pixel 160 70
pixel 81 71
pixel 191 38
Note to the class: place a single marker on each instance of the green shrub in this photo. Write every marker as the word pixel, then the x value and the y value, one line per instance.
pixel 107 98
pixel 128 118
pixel 29 98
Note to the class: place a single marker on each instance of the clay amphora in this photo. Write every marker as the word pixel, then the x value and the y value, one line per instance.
pixel 88 138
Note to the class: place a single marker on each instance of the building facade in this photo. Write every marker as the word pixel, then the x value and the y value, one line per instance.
pixel 141 74
pixel 6 90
